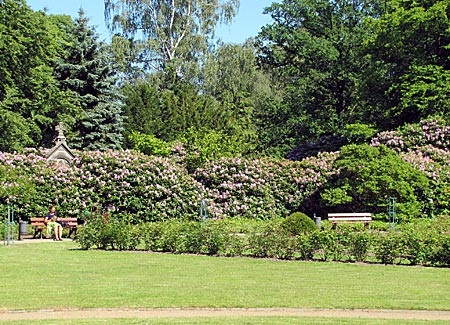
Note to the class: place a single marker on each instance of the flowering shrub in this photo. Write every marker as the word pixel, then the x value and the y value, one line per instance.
pixel 426 146
pixel 265 188
pixel 432 131
pixel 149 188
pixel 158 188
pixel 153 188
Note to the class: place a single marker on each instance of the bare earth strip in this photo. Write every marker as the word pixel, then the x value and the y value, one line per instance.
pixel 106 313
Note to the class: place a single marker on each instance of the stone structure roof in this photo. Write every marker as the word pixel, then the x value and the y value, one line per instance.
pixel 61 151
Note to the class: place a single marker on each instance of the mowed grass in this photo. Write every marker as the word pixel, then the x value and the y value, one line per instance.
pixel 58 275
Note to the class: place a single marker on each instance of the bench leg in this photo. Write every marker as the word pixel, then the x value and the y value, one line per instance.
pixel 36 231
pixel 72 231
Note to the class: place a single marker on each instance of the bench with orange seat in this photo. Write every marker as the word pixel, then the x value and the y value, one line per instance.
pixel 39 225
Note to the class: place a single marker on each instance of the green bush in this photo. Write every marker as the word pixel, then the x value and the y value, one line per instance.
pixel 149 144
pixel 305 247
pixel 387 247
pixel 359 133
pixel 213 239
pixel 298 223
pixel 418 241
pixel 359 245
pixel 325 245
pixel 368 176
pixel 441 255
pixel 204 145
pixel 422 243
pixel 262 241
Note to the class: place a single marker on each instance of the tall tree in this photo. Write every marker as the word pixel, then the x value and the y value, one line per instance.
pixel 87 70
pixel 142 109
pixel 158 33
pixel 168 113
pixel 31 102
pixel 313 48
pixel 409 47
pixel 232 76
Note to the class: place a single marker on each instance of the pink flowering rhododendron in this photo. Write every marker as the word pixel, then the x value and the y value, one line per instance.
pixel 153 188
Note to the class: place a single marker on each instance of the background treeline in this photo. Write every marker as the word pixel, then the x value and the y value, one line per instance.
pixel 353 93
pixel 321 74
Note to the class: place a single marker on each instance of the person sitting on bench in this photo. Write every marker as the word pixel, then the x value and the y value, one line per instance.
pixel 52 224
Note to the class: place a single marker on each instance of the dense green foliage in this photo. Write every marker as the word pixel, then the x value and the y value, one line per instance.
pixel 424 243
pixel 30 97
pixel 320 75
pixel 149 144
pixel 54 70
pixel 409 62
pixel 425 146
pixel 298 223
pixel 367 176
pixel 87 70
pixel 313 48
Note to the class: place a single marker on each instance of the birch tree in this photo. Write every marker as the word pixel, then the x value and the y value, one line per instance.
pixel 157 34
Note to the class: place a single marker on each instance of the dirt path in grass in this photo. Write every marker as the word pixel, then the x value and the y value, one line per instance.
pixel 144 313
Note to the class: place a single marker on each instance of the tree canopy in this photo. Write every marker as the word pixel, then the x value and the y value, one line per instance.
pixel 160 33
pixel 320 72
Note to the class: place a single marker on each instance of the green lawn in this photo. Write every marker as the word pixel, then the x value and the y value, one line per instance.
pixel 58 275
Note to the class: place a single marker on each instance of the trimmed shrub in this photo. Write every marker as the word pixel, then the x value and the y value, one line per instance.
pixel 387 247
pixel 298 223
pixel 359 245
pixel 424 243
pixel 441 255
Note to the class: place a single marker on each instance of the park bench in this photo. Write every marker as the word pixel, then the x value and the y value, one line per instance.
pixel 39 225
pixel 350 217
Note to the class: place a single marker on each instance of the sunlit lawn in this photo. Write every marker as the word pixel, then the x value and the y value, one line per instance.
pixel 58 275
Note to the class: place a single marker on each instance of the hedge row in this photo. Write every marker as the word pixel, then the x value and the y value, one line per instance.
pixel 414 244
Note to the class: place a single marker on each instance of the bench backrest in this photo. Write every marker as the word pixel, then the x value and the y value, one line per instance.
pixel 39 221
pixel 356 216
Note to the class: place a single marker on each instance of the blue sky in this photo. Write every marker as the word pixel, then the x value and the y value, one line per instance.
pixel 246 24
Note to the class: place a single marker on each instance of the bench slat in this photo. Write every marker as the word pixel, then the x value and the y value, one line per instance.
pixel 350 214
pixel 39 224
pixel 335 218
pixel 350 219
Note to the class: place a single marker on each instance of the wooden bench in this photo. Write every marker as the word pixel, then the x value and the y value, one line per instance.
pixel 350 217
pixel 67 223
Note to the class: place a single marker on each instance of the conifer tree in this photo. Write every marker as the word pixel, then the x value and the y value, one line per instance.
pixel 88 71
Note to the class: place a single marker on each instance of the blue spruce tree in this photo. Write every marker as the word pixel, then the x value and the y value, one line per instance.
pixel 89 71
